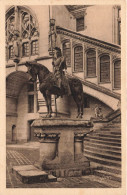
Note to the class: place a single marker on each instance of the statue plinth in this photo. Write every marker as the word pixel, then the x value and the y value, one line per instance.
pixel 61 145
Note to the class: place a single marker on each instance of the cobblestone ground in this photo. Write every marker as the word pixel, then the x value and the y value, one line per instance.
pixel 18 155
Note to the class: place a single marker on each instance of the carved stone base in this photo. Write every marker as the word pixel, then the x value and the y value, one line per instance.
pixel 61 145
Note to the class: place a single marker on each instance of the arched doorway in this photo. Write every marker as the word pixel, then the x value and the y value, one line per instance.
pixel 15 83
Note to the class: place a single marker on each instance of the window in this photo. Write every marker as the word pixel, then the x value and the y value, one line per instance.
pixel 34 47
pixel 91 63
pixel 80 24
pixel 67 53
pixel 10 27
pixel 25 49
pixel 11 52
pixel 22 27
pixel 78 58
pixel 105 68
pixel 117 74
pixel 30 103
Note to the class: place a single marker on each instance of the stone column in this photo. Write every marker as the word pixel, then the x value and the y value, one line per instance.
pixel 48 148
pixel 78 147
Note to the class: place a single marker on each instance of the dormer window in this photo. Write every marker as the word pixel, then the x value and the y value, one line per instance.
pixel 80 24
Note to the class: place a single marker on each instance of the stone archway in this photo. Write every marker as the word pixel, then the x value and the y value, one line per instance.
pixel 14 84
pixel 110 101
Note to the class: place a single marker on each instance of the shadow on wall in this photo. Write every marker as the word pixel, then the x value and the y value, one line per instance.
pixel 90 104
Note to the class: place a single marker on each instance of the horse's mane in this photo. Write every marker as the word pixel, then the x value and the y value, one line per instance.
pixel 42 67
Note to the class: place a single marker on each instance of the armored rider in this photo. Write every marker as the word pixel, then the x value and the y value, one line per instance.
pixel 60 67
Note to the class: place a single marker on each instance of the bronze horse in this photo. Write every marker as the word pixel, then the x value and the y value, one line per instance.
pixel 48 87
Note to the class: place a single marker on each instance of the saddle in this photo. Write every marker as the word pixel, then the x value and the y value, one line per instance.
pixel 52 81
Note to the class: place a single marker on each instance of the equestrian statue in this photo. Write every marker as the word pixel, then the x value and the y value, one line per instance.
pixel 56 82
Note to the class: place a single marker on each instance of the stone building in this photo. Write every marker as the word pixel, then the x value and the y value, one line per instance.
pixel 90 38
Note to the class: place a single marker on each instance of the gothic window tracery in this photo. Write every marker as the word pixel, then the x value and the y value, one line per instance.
pixel 10 27
pixel 21 27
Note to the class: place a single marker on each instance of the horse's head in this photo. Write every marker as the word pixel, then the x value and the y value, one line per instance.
pixel 32 70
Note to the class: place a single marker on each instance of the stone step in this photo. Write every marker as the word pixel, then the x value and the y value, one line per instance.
pixel 111 176
pixel 99 145
pixel 102 150
pixel 98 137
pixel 112 127
pixel 116 121
pixel 103 155
pixel 103 161
pixel 114 124
pixel 102 180
pixel 101 141
pixel 108 133
pixel 112 169
pixel 100 134
pixel 116 133
pixel 30 174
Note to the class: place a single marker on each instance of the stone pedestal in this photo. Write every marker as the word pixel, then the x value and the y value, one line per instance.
pixel 61 145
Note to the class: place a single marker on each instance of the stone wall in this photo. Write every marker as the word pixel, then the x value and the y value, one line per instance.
pixel 71 109
pixel 98 17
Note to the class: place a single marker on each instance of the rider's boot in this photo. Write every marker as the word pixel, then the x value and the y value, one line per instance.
pixel 60 86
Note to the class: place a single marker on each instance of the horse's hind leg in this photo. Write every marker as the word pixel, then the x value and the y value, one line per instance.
pixel 78 105
pixel 81 106
pixel 79 102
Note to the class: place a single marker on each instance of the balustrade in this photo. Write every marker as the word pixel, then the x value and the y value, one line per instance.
pixel 91 59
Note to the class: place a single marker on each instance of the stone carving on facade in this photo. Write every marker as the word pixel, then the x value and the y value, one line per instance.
pixel 52 35
pixel 87 40
pixel 114 57
pixel 16 44
pixel 100 52
pixel 86 47
pixel 98 112
pixel 49 136
pixel 75 43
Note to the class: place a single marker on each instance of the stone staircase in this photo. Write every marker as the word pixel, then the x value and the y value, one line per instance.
pixel 103 149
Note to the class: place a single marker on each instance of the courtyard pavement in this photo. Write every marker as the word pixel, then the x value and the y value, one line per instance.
pixel 28 153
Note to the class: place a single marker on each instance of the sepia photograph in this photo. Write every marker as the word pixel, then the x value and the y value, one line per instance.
pixel 63 96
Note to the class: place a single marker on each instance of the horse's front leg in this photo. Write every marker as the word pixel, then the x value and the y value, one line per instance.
pixel 48 95
pixel 46 100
